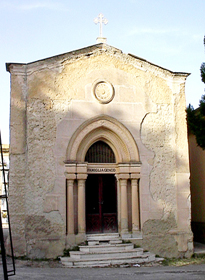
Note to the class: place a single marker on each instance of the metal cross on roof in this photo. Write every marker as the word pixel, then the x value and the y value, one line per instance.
pixel 100 19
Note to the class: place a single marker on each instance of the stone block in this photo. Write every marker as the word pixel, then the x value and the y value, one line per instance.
pixel 19 246
pixel 183 219
pixel 70 168
pixel 51 203
pixel 81 176
pixel 123 176
pixel 145 202
pixel 183 200
pixel 60 184
pixel 183 182
pixel 82 110
pixel 70 241
pixel 135 168
pixel 18 140
pixel 17 205
pixel 123 168
pixel 182 242
pixel 70 176
pixel 135 176
pixel 61 147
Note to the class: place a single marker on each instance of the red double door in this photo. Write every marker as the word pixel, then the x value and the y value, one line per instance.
pixel 101 203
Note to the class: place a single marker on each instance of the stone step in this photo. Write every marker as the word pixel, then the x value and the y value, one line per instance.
pixel 98 242
pixel 144 258
pixel 106 248
pixel 103 237
pixel 106 255
pixel 117 241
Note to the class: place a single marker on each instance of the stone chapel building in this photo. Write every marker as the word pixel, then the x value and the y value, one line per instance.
pixel 98 144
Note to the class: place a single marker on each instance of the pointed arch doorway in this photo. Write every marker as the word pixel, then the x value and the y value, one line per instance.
pixel 119 158
pixel 101 191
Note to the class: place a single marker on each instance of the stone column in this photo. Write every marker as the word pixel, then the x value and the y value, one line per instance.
pixel 81 206
pixel 118 204
pixel 70 208
pixel 81 177
pixel 135 205
pixel 124 206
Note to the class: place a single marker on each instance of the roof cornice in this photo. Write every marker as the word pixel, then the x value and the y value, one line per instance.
pixel 56 61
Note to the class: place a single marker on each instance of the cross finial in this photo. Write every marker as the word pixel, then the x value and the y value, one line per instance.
pixel 100 19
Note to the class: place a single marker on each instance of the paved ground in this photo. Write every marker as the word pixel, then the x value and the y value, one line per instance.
pixel 148 273
pixel 190 272
pixel 54 271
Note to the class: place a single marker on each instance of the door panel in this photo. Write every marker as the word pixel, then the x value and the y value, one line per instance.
pixel 93 222
pixel 101 203
pixel 109 204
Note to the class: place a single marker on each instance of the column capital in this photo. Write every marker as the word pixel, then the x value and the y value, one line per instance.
pixel 70 176
pixel 81 176
pixel 134 176
pixel 122 176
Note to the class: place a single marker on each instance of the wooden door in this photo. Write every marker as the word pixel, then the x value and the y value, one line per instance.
pixel 101 203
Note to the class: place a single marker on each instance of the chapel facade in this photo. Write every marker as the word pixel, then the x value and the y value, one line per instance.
pixel 98 144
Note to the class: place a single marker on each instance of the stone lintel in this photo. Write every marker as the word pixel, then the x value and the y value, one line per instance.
pixel 134 167
pixel 123 168
pixel 82 168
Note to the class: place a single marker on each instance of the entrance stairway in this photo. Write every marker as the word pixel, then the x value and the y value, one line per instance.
pixel 105 250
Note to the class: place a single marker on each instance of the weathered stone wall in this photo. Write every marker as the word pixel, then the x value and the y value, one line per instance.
pixel 17 175
pixel 50 99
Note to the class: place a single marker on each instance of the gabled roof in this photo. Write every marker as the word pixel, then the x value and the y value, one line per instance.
pixel 87 51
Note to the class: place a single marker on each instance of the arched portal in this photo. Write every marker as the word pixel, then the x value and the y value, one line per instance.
pixel 107 129
pixel 100 149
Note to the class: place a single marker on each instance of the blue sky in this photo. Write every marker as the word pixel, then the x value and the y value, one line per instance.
pixel 168 33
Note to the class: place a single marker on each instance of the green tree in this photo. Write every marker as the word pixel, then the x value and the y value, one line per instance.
pixel 196 118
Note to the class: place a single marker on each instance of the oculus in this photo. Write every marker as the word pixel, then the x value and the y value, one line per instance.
pixel 103 92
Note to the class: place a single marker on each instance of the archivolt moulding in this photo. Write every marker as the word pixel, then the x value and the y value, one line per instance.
pixel 107 129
